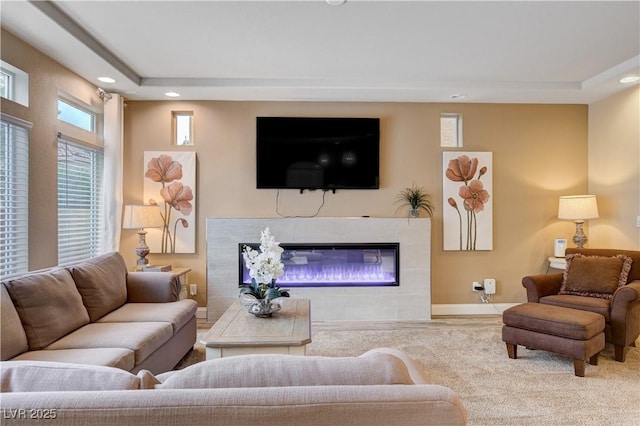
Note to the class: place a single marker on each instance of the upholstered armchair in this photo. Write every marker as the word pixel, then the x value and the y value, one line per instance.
pixel 605 281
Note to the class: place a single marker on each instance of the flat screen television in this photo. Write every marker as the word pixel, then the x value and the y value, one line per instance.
pixel 317 153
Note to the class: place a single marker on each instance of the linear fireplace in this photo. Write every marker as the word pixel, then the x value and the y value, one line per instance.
pixel 409 301
pixel 334 265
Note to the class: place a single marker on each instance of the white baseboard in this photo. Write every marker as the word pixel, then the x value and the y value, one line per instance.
pixel 439 310
pixel 471 309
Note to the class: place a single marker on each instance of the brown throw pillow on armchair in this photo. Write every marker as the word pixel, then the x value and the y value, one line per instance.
pixel 595 276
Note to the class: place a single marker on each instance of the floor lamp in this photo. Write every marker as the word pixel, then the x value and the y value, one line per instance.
pixel 578 208
pixel 140 217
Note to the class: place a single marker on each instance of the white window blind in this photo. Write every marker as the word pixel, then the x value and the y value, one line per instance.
pixel 14 196
pixel 80 170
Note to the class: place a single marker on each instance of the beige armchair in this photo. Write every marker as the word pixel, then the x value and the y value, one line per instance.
pixel 621 310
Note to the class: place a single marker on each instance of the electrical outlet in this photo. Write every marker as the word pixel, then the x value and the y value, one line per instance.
pixel 193 289
pixel 490 286
pixel 475 286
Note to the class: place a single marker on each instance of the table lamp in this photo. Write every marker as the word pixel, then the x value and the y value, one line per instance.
pixel 140 217
pixel 578 208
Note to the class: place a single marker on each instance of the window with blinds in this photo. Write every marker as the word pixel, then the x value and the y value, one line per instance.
pixel 14 196
pixel 80 170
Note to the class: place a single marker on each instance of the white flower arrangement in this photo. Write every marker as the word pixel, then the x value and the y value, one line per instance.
pixel 264 266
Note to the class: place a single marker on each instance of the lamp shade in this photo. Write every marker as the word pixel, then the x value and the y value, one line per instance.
pixel 578 207
pixel 141 216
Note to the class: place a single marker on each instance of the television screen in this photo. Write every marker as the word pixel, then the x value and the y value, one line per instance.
pixel 317 153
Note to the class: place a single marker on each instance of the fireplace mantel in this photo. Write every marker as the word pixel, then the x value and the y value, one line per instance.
pixel 409 301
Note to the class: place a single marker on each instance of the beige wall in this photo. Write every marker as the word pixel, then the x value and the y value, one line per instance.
pixel 539 153
pixel 46 79
pixel 614 169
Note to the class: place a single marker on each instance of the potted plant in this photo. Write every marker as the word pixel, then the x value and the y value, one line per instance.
pixel 264 267
pixel 416 198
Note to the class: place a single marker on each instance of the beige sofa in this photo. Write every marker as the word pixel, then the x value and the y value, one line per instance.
pixel 380 387
pixel 97 313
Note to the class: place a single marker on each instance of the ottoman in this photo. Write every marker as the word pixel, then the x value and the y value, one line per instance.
pixel 569 332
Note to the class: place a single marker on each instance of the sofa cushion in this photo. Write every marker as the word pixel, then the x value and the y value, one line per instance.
pixel 110 357
pixel 39 376
pixel 49 306
pixel 288 370
pixel 595 276
pixel 143 338
pixel 102 282
pixel 583 303
pixel 13 338
pixel 177 313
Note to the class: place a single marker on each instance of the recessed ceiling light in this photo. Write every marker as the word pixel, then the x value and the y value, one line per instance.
pixel 172 94
pixel 459 96
pixel 336 2
pixel 630 79
pixel 106 79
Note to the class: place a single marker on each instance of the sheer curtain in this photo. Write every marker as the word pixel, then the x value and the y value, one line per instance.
pixel 113 156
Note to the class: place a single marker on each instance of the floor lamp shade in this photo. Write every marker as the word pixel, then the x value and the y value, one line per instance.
pixel 578 208
pixel 140 217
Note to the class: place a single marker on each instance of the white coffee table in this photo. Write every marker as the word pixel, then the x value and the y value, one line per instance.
pixel 237 332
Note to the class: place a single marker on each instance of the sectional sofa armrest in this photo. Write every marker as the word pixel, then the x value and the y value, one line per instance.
pixel 418 375
pixel 541 285
pixel 152 287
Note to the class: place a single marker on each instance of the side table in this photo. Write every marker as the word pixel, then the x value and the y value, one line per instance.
pixel 183 276
pixel 557 263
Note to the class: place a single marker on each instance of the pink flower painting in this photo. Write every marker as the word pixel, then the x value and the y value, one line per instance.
pixel 466 191
pixel 168 185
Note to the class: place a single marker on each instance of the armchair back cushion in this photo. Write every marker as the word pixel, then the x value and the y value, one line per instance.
pixel 49 306
pixel 634 272
pixel 102 282
pixel 595 276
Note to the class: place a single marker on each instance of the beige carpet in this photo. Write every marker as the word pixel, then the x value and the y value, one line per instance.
pixel 468 355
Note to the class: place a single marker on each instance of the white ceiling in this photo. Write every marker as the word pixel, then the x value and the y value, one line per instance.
pixel 424 51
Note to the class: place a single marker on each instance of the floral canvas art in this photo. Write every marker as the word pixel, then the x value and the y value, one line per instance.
pixel 169 182
pixel 467 201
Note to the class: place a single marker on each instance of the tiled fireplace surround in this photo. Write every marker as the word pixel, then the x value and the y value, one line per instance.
pixel 411 300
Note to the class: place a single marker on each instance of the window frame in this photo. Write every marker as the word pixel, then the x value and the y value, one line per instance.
pixel 9 84
pixel 81 109
pixel 175 124
pixel 19 86
pixel 87 232
pixel 456 139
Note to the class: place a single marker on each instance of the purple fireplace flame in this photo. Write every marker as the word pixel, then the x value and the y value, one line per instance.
pixel 335 265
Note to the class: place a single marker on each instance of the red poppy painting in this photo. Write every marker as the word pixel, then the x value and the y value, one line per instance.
pixel 467 208
pixel 169 182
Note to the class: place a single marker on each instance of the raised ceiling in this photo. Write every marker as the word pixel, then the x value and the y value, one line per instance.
pixel 422 51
